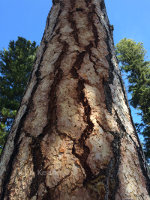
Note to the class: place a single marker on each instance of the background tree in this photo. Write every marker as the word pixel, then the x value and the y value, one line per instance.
pixel 132 56
pixel 15 68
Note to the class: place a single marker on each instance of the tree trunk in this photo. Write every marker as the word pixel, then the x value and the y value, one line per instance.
pixel 73 137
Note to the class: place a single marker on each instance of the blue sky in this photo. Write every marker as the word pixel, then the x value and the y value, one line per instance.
pixel 27 18
pixel 131 19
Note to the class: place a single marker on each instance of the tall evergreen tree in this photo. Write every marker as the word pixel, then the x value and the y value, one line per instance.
pixel 15 68
pixel 132 57
pixel 73 137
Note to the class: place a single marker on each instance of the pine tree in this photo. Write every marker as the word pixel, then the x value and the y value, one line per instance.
pixel 73 136
pixel 132 56
pixel 15 68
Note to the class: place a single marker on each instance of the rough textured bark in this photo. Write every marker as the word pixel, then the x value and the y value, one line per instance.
pixel 73 137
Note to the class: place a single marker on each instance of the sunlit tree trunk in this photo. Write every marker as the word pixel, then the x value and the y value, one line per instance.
pixel 73 137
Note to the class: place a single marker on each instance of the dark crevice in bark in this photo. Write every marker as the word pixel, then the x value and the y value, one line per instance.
pixel 60 182
pixel 141 156
pixel 79 9
pixel 88 2
pixel 140 153
pixel 109 57
pixel 111 30
pixel 9 168
pixel 74 27
pixel 56 23
pixel 73 3
pixel 97 184
pixel 103 9
pixel 107 89
pixel 75 30
pixel 113 167
pixel 88 49
pixel 38 164
pixel 79 61
pixel 84 151
pixel 106 83
pixel 122 127
pixel 109 60
pixel 139 149
pixel 51 113
pixel 142 160
pixel 123 90
pixel 94 28
pixel 119 122
pixel 80 150
pixel 144 168
pixel 107 180
pixel 40 172
pixel 111 180
pixel 77 65
pixel 51 195
pixel 87 131
pixel 47 196
pixel 9 171
pixel 91 20
pixel 102 5
pixel 64 134
pixel 108 96
pixel 55 1
pixel 51 122
pixel 82 99
pixel 104 129
pixel 73 22
pixel 94 65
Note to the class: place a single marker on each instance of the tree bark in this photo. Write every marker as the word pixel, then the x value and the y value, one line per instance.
pixel 73 137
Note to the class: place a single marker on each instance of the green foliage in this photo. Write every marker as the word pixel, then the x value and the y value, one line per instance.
pixel 131 56
pixel 15 68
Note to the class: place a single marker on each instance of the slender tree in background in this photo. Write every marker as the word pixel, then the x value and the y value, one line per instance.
pixel 132 55
pixel 15 68
pixel 73 136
